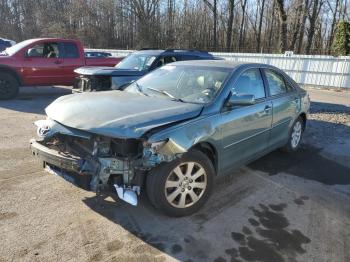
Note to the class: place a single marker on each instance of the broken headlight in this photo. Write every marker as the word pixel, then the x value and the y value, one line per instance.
pixel 155 146
pixel 101 148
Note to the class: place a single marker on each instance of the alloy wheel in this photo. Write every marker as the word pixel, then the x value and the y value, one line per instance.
pixel 296 134
pixel 185 184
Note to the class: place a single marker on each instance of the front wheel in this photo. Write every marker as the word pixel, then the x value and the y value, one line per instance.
pixel 9 86
pixel 295 136
pixel 181 187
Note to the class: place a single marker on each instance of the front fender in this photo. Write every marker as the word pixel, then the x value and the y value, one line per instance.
pixel 182 137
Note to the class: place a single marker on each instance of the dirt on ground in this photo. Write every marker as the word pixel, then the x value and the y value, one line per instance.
pixel 281 207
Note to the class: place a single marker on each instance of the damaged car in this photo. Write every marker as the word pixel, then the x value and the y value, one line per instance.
pixel 173 131
pixel 131 68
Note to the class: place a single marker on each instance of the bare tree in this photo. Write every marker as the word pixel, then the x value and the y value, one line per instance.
pixel 316 8
pixel 283 27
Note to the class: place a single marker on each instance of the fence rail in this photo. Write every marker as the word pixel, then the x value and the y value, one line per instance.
pixel 315 70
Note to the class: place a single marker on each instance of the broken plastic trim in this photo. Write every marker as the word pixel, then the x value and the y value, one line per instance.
pixel 128 195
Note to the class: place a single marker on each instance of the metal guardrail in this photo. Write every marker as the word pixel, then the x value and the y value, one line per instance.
pixel 314 70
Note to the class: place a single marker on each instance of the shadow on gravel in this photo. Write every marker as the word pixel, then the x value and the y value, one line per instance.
pixel 34 100
pixel 320 107
pixel 306 163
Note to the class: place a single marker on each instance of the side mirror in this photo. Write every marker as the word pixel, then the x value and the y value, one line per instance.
pixel 240 100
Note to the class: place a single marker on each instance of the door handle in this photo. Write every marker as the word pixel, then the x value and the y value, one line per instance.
pixel 57 62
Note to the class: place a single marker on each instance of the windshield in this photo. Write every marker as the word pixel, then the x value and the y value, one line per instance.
pixel 14 49
pixel 183 83
pixel 140 62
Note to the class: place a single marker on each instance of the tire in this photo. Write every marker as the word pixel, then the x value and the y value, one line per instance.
pixel 295 136
pixel 189 192
pixel 9 86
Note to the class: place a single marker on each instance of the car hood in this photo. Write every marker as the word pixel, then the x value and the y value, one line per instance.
pixel 118 114
pixel 107 71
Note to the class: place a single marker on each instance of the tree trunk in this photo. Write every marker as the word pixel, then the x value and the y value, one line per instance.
pixel 229 25
pixel 297 24
pixel 315 11
pixel 283 27
pixel 302 27
pixel 258 39
pixel 334 22
pixel 240 41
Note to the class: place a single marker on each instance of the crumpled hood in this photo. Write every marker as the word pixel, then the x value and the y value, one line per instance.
pixel 118 114
pixel 107 71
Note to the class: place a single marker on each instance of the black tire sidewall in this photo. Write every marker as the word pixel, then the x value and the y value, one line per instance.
pixel 14 86
pixel 158 176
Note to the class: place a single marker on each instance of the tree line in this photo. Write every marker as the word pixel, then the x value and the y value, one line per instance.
pixel 266 26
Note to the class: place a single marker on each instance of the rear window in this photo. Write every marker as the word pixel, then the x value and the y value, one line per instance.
pixel 70 50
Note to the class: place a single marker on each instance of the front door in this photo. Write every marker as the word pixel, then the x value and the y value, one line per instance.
pixel 245 129
pixel 43 65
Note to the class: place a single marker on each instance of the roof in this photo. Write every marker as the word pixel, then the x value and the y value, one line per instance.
pixel 213 63
pixel 173 51
pixel 221 63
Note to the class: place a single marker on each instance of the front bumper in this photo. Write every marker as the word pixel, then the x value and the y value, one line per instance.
pixel 55 158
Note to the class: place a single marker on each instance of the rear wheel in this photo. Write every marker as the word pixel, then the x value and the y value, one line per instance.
pixel 9 86
pixel 181 187
pixel 295 136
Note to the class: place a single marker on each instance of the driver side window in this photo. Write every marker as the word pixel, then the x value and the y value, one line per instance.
pixel 44 50
pixel 250 83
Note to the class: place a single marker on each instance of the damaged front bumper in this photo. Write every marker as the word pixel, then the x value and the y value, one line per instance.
pixel 100 162
pixel 89 173
pixel 53 157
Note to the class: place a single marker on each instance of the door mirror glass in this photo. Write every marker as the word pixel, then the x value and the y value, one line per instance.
pixel 240 100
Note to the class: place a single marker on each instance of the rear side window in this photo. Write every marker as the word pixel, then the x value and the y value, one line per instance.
pixel 276 83
pixel 167 60
pixel 70 50
pixel 250 83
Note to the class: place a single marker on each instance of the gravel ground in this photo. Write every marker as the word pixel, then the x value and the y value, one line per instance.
pixel 279 208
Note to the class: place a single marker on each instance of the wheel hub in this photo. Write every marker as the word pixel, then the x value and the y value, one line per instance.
pixel 185 184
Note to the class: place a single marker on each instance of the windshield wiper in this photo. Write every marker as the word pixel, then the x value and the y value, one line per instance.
pixel 140 89
pixel 166 93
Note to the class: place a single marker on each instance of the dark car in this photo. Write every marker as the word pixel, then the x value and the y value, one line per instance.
pixel 5 43
pixel 97 54
pixel 131 68
pixel 172 131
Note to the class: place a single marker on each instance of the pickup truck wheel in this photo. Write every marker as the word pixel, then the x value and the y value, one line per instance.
pixel 181 187
pixel 9 86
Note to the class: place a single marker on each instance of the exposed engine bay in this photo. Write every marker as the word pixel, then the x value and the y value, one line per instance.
pixel 92 83
pixel 105 162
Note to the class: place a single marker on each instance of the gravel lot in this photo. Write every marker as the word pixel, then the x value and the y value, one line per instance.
pixel 279 208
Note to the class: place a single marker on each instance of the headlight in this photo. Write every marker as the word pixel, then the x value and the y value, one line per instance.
pixel 155 146
pixel 44 128
pixel 101 148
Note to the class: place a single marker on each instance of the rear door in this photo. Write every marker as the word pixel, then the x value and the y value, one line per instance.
pixel 72 59
pixel 245 129
pixel 43 64
pixel 285 104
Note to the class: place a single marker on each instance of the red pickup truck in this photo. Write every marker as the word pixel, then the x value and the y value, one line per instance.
pixel 44 61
